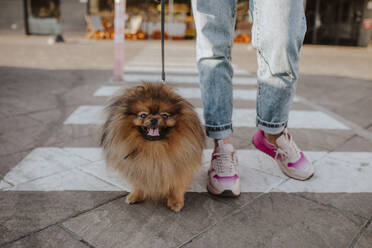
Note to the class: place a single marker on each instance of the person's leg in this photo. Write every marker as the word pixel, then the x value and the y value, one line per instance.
pixel 278 31
pixel 215 21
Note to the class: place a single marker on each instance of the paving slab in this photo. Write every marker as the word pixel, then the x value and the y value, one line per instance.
pixel 282 220
pixel 20 140
pixel 365 239
pixel 236 202
pixel 51 115
pixel 359 111
pixel 57 88
pixel 67 135
pixel 355 203
pixel 84 93
pixel 7 162
pixel 354 144
pixel 25 212
pixel 16 123
pixel 118 224
pixel 53 236
pixel 347 97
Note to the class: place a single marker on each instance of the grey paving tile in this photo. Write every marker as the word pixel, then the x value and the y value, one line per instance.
pixel 84 141
pixel 83 94
pixel 53 236
pixel 365 241
pixel 7 162
pixel 369 229
pixel 21 98
pixel 16 123
pixel 319 140
pixel 358 112
pixel 23 139
pixel 75 135
pixel 241 138
pixel 347 97
pixel 282 220
pixel 355 144
pixel 356 203
pixel 146 224
pixel 242 200
pixel 54 115
pixel 24 212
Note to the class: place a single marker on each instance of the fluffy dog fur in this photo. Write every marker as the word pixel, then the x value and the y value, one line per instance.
pixel 159 161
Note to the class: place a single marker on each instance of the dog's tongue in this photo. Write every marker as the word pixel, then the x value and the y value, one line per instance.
pixel 153 132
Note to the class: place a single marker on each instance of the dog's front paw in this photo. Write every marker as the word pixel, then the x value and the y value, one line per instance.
pixel 174 205
pixel 134 197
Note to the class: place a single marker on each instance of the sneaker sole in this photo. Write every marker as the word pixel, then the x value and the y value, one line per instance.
pixel 226 193
pixel 283 170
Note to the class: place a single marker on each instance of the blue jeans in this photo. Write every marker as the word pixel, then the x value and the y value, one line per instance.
pixel 278 31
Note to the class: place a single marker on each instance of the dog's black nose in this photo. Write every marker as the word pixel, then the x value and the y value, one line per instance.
pixel 154 121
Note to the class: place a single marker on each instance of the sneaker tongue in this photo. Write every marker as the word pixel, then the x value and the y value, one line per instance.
pixel 224 148
pixel 284 143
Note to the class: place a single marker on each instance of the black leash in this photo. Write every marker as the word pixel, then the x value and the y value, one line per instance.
pixel 162 42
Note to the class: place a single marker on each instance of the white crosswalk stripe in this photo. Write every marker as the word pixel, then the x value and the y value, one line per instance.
pixel 50 168
pixel 241 118
pixel 188 93
pixel 177 79
pixel 176 71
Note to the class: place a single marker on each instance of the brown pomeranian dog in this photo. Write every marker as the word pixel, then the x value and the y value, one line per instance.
pixel 154 138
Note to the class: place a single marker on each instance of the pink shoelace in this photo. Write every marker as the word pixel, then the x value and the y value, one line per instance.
pixel 288 152
pixel 224 163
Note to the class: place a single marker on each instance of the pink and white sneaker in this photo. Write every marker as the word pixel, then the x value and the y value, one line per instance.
pixel 223 179
pixel 292 162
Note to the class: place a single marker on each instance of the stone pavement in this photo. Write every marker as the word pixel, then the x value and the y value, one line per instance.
pixel 56 192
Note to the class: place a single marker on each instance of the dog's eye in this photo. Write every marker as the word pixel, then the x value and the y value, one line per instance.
pixel 143 115
pixel 165 116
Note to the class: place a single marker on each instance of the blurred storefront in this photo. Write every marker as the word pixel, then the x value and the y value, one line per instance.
pixel 331 22
pixel 42 16
pixel 339 22
pixel 143 20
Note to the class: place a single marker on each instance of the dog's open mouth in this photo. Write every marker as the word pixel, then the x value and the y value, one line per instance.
pixel 153 133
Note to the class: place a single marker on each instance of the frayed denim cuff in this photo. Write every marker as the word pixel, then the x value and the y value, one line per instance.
pixel 219 132
pixel 270 128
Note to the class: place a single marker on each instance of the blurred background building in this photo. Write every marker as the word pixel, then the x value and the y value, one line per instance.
pixel 331 22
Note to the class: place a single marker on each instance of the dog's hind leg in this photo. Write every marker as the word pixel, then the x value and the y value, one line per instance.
pixel 135 196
